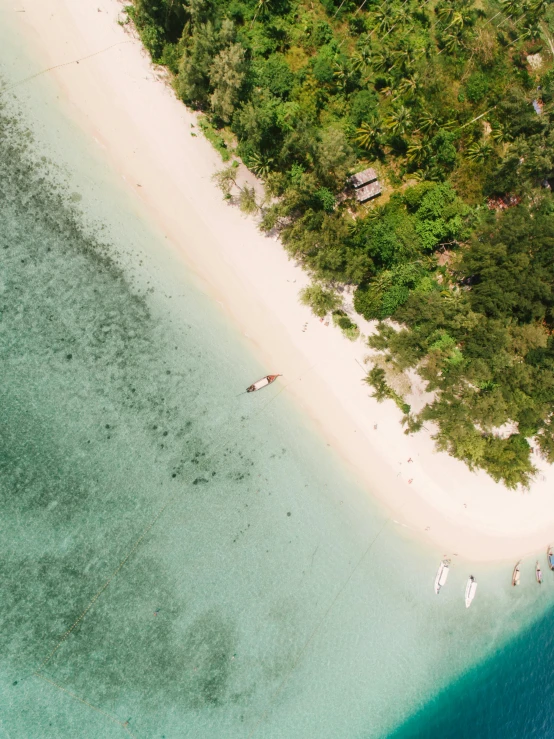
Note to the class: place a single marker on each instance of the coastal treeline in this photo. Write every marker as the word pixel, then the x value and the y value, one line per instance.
pixel 453 103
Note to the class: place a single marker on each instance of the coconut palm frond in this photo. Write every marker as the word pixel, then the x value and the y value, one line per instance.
pixel 367 135
pixel 479 151
pixel 260 166
pixel 399 121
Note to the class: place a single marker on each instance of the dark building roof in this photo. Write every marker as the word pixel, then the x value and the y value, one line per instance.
pixel 363 178
pixel 368 191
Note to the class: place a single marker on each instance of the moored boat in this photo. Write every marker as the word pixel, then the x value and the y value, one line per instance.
pixel 516 573
pixel 442 574
pixel 264 382
pixel 471 588
pixel 538 573
pixel 550 557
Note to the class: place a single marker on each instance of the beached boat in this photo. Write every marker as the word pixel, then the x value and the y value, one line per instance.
pixel 550 557
pixel 516 573
pixel 538 573
pixel 471 587
pixel 442 574
pixel 264 382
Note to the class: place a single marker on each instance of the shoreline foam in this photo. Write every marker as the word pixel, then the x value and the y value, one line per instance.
pixel 116 97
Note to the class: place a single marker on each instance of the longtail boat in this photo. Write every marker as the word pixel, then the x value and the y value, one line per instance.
pixel 538 573
pixel 442 574
pixel 515 575
pixel 471 587
pixel 264 382
pixel 550 557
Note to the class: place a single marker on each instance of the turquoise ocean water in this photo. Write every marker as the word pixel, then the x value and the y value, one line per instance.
pixel 179 560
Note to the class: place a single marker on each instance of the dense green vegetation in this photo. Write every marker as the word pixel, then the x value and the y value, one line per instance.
pixel 452 102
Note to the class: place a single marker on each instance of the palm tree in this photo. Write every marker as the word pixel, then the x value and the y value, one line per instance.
pixel 427 121
pixel 384 19
pixel 389 86
pixel 453 295
pixel 536 7
pixel 341 74
pixel 409 85
pixel 376 213
pixel 414 152
pixel 261 166
pixel 479 151
pixel 384 60
pixel 367 135
pixel 512 7
pixel 407 57
pixel 361 60
pixel 450 43
pixel 498 133
pixel 400 59
pixel 445 13
pixel 417 152
pixel 352 227
pixel 262 7
pixel 399 121
pixel 457 22
pixel 532 31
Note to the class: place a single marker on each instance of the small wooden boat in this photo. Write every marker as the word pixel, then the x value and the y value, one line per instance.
pixel 538 573
pixel 471 588
pixel 516 573
pixel 442 574
pixel 264 382
pixel 550 557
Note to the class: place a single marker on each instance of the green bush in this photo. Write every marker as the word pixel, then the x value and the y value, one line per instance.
pixel 152 37
pixel 326 198
pixel 477 87
pixel 275 75
pixel 247 200
pixel 382 391
pixel 346 325
pixel 319 299
pixel 323 65
pixel 214 138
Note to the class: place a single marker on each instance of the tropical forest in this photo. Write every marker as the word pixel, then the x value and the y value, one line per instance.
pixel 451 104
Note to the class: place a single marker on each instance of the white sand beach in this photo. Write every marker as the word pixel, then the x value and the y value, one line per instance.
pixel 116 96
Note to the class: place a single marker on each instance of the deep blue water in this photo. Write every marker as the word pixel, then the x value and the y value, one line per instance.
pixel 508 697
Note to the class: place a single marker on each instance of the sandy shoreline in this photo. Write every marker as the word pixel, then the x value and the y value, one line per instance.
pixel 116 98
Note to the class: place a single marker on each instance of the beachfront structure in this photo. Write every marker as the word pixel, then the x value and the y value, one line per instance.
pixel 366 185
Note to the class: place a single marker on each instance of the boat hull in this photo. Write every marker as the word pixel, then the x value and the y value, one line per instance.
pixel 442 574
pixel 264 382
pixel 471 588
pixel 550 557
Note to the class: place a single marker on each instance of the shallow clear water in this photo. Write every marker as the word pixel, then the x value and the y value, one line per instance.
pixel 175 555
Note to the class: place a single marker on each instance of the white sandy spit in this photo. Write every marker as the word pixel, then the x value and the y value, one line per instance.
pixel 118 98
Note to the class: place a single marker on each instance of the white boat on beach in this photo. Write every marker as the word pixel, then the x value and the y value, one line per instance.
pixel 442 574
pixel 471 587
pixel 516 574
